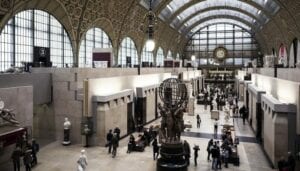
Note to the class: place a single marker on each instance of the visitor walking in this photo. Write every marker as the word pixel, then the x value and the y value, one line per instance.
pixel 216 128
pixel 155 149
pixel 27 159
pixel 109 136
pixel 226 156
pixel 208 149
pixel 35 149
pixel 214 154
pixel 196 149
pixel 16 157
pixel 82 161
pixel 115 144
pixel 198 121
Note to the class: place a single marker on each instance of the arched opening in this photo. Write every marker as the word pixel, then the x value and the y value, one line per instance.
pixel 94 38
pixel 128 56
pixel 240 45
pixel 147 57
pixel 160 57
pixel 34 28
pixel 169 55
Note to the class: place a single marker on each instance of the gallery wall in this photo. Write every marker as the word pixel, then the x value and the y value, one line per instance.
pixel 283 90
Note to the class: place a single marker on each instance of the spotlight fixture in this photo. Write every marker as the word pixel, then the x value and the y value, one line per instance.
pixel 151 20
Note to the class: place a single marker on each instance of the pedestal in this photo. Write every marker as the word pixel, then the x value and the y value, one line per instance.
pixel 66 137
pixel 172 158
pixel 214 114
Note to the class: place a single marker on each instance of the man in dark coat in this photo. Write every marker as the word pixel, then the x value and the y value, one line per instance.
pixel 215 153
pixel 208 149
pixel 198 121
pixel 16 155
pixel 155 149
pixel 35 149
pixel 115 144
pixel 196 149
pixel 27 159
pixel 109 136
pixel 243 113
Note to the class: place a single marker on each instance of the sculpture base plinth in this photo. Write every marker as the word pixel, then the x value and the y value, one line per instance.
pixel 65 143
pixel 172 158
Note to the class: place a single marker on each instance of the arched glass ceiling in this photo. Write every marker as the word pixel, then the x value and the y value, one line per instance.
pixel 219 20
pixel 268 5
pixel 220 4
pixel 211 13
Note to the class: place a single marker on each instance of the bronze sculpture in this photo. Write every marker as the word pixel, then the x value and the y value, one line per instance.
pixel 173 94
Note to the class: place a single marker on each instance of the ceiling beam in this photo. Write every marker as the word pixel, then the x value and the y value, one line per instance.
pixel 216 8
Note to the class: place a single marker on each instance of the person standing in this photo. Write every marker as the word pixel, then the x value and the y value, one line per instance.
pixel 187 151
pixel 82 161
pixel 109 136
pixel 242 111
pixel 35 149
pixel 115 144
pixel 219 161
pixel 291 162
pixel 214 155
pixel 208 149
pixel 16 156
pixel 198 121
pixel 27 159
pixel 226 156
pixel 196 149
pixel 216 128
pixel 155 149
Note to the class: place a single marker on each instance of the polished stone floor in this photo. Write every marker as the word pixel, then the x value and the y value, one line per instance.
pixel 55 157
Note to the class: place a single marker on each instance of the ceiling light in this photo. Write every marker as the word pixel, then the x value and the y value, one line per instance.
pixel 151 21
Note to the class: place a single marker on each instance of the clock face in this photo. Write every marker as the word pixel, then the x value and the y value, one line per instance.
pixel 220 53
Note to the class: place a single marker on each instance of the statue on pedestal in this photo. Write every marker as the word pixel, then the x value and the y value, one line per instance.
pixel 86 133
pixel 67 125
pixel 173 94
pixel 7 114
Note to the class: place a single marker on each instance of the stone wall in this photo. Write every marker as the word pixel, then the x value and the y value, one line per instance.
pixel 41 83
pixel 20 99
pixel 276 128
pixel 150 105
pixel 110 114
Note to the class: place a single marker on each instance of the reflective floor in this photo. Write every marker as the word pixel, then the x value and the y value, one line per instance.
pixel 55 157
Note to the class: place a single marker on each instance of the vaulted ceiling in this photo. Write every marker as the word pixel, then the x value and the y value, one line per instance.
pixel 272 21
pixel 279 18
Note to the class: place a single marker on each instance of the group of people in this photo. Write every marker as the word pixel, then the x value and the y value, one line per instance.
pixel 112 139
pixel 219 153
pixel 26 150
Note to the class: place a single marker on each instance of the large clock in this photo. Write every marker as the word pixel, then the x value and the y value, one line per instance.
pixel 220 53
